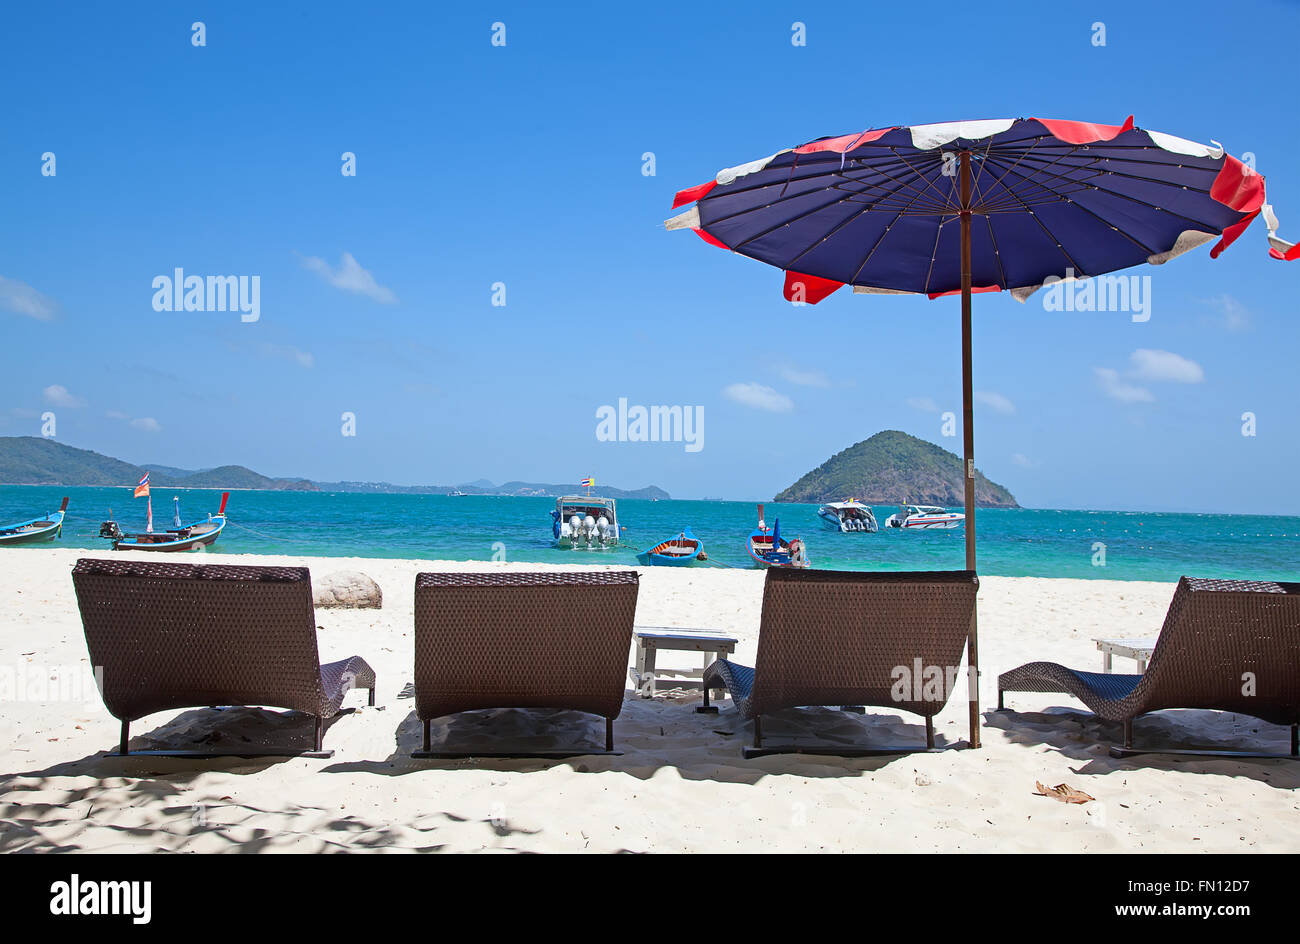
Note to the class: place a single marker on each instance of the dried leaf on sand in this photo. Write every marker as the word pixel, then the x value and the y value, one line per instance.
pixel 1063 792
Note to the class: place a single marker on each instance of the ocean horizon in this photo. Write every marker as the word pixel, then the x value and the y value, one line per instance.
pixel 1019 542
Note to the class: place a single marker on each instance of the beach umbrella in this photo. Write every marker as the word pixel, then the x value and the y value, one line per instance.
pixel 966 207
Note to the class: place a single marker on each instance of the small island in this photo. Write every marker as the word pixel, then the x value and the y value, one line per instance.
pixel 892 468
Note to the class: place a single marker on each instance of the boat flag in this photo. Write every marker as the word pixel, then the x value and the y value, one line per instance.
pixel 142 489
pixel 148 521
pixel 588 482
pixel 176 518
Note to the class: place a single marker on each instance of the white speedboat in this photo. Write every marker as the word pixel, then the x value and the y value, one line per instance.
pixel 584 522
pixel 847 516
pixel 924 518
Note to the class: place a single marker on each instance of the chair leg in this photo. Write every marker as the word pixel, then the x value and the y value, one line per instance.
pixel 609 734
pixel 758 731
pixel 1128 734
pixel 1001 707
pixel 929 734
pixel 1295 740
pixel 372 696
pixel 706 708
pixel 320 732
pixel 427 746
pixel 126 736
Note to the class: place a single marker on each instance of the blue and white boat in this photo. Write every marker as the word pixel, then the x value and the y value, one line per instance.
pixel 36 530
pixel 181 537
pixel 585 522
pixel 848 516
pixel 924 518
pixel 678 551
pixel 768 549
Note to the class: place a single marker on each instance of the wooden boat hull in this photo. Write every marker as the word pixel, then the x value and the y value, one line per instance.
pixel 761 552
pixel 186 539
pixel 679 551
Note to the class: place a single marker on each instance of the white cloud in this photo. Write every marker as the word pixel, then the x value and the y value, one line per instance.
pixel 1109 380
pixel 144 423
pixel 58 395
pixel 1233 315
pixel 1023 461
pixel 759 397
pixel 22 299
pixel 924 404
pixel 805 378
pixel 994 401
pixel 1164 365
pixel 350 277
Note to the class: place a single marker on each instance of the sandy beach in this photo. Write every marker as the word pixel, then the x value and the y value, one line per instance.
pixel 681 784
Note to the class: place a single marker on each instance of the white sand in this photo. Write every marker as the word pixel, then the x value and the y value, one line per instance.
pixel 681 784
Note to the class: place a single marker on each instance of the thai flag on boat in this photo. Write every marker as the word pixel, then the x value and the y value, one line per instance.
pixel 142 489
pixel 588 482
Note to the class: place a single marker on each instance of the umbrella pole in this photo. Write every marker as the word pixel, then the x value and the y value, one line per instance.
pixel 968 444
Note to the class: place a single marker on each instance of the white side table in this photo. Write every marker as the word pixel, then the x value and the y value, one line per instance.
pixel 1137 649
pixel 650 639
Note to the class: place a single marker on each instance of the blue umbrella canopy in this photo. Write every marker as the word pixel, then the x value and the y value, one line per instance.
pixel 880 210
pixel 976 206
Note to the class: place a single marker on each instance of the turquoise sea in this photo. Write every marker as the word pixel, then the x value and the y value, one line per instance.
pixel 1020 542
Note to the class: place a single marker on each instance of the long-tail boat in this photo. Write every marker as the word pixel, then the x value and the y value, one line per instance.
pixel 36 530
pixel 677 551
pixel 181 537
pixel 768 549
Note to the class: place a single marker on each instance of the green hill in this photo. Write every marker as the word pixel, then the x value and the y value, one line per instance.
pixel 891 468
pixel 30 460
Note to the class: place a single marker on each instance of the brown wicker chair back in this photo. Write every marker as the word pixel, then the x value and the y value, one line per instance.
pixel 1232 645
pixel 855 638
pixel 522 640
pixel 191 635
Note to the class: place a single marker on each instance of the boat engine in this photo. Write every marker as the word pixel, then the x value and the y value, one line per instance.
pixel 602 527
pixel 109 529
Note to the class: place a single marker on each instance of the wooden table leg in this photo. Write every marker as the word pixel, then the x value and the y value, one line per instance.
pixel 648 678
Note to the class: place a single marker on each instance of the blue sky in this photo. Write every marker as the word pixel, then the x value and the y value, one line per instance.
pixel 522 164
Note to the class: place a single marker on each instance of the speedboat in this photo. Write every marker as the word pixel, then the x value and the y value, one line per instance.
pixel 181 537
pixel 583 522
pixel 768 549
pixel 677 551
pixel 847 516
pixel 36 530
pixel 924 518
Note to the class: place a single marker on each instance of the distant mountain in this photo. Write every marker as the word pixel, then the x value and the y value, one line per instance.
pixel 30 460
pixel 891 468
pixel 484 487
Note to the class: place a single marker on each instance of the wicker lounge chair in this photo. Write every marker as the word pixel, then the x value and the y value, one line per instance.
pixel 852 639
pixel 1230 645
pixel 186 636
pixel 522 640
